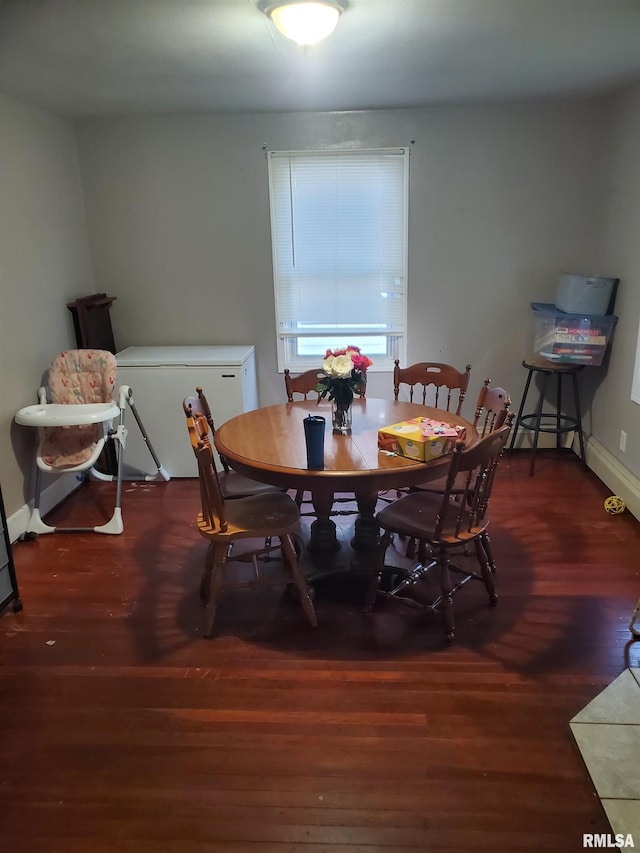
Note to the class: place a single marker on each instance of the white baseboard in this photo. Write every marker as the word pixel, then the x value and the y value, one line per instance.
pixel 59 489
pixel 614 475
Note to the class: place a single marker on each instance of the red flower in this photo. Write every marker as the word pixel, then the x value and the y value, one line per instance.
pixel 360 362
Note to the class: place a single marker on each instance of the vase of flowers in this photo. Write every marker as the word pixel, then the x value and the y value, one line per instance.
pixel 345 374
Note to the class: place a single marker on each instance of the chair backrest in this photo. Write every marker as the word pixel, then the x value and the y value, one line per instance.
pixel 82 376
pixel 476 466
pixel 199 406
pixel 303 384
pixel 442 378
pixel 75 377
pixel 491 409
pixel 211 499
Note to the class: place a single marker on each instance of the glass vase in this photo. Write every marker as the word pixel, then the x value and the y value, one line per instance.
pixel 341 418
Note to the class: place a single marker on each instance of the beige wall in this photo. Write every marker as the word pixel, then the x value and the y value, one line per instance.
pixel 613 409
pixel 44 263
pixel 500 200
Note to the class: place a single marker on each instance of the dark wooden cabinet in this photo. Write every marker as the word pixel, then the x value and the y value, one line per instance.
pixel 8 582
pixel 92 322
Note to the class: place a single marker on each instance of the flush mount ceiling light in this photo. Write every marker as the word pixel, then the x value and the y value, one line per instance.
pixel 304 21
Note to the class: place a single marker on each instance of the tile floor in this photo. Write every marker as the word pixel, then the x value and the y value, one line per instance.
pixel 607 732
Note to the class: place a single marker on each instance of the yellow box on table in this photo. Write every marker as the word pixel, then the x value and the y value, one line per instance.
pixel 422 439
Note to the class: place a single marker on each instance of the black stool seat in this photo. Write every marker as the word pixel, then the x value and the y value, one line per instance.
pixel 554 422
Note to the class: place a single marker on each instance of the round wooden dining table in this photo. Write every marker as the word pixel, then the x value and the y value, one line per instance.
pixel 268 444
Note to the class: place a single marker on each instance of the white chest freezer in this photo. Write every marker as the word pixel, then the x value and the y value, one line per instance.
pixel 161 377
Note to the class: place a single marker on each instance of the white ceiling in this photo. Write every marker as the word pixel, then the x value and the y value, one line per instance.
pixel 81 57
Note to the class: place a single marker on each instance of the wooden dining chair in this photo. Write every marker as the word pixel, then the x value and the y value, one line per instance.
pixel 433 384
pixel 446 524
pixel 491 413
pixel 223 523
pixel 232 483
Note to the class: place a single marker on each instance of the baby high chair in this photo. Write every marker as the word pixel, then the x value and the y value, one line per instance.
pixel 75 417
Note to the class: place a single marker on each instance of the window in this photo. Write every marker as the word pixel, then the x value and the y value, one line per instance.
pixel 339 236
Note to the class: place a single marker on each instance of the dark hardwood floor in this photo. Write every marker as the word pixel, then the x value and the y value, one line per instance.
pixel 124 730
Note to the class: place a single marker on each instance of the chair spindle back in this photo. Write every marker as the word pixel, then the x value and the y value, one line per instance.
pixel 211 499
pixel 491 410
pixel 199 406
pixel 443 378
pixel 478 463
pixel 305 384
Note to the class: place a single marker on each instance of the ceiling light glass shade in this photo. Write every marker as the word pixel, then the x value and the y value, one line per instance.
pixel 306 22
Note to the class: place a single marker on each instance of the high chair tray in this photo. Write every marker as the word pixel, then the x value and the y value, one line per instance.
pixel 56 414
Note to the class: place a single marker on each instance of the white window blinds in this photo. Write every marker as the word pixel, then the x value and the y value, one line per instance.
pixel 339 234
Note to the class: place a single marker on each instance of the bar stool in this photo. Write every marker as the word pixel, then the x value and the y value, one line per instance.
pixel 553 422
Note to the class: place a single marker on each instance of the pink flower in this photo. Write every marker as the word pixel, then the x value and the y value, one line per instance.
pixel 360 362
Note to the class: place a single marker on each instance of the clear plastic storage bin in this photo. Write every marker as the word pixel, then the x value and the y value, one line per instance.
pixel 571 338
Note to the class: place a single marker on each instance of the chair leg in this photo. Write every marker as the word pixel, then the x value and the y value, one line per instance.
pixel 576 399
pixel 289 554
pixel 115 525
pixel 424 553
pixel 538 418
pixel 514 432
pixel 216 571
pixel 376 574
pixel 486 544
pixel 487 574
pixel 446 590
pixel 36 524
pixel 205 581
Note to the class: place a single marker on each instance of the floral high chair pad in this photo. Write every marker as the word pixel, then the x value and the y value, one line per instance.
pixel 77 376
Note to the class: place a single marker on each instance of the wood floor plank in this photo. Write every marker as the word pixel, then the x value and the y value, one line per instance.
pixel 124 730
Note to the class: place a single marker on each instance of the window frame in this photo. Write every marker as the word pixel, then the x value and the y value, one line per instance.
pixel 635 383
pixel 394 338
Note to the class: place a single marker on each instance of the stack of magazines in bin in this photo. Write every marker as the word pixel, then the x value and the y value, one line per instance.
pixel 578 327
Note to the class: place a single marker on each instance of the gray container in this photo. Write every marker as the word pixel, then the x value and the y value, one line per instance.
pixel 584 294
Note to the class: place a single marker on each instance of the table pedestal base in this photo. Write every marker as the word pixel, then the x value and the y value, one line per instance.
pixel 322 537
pixel 346 547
